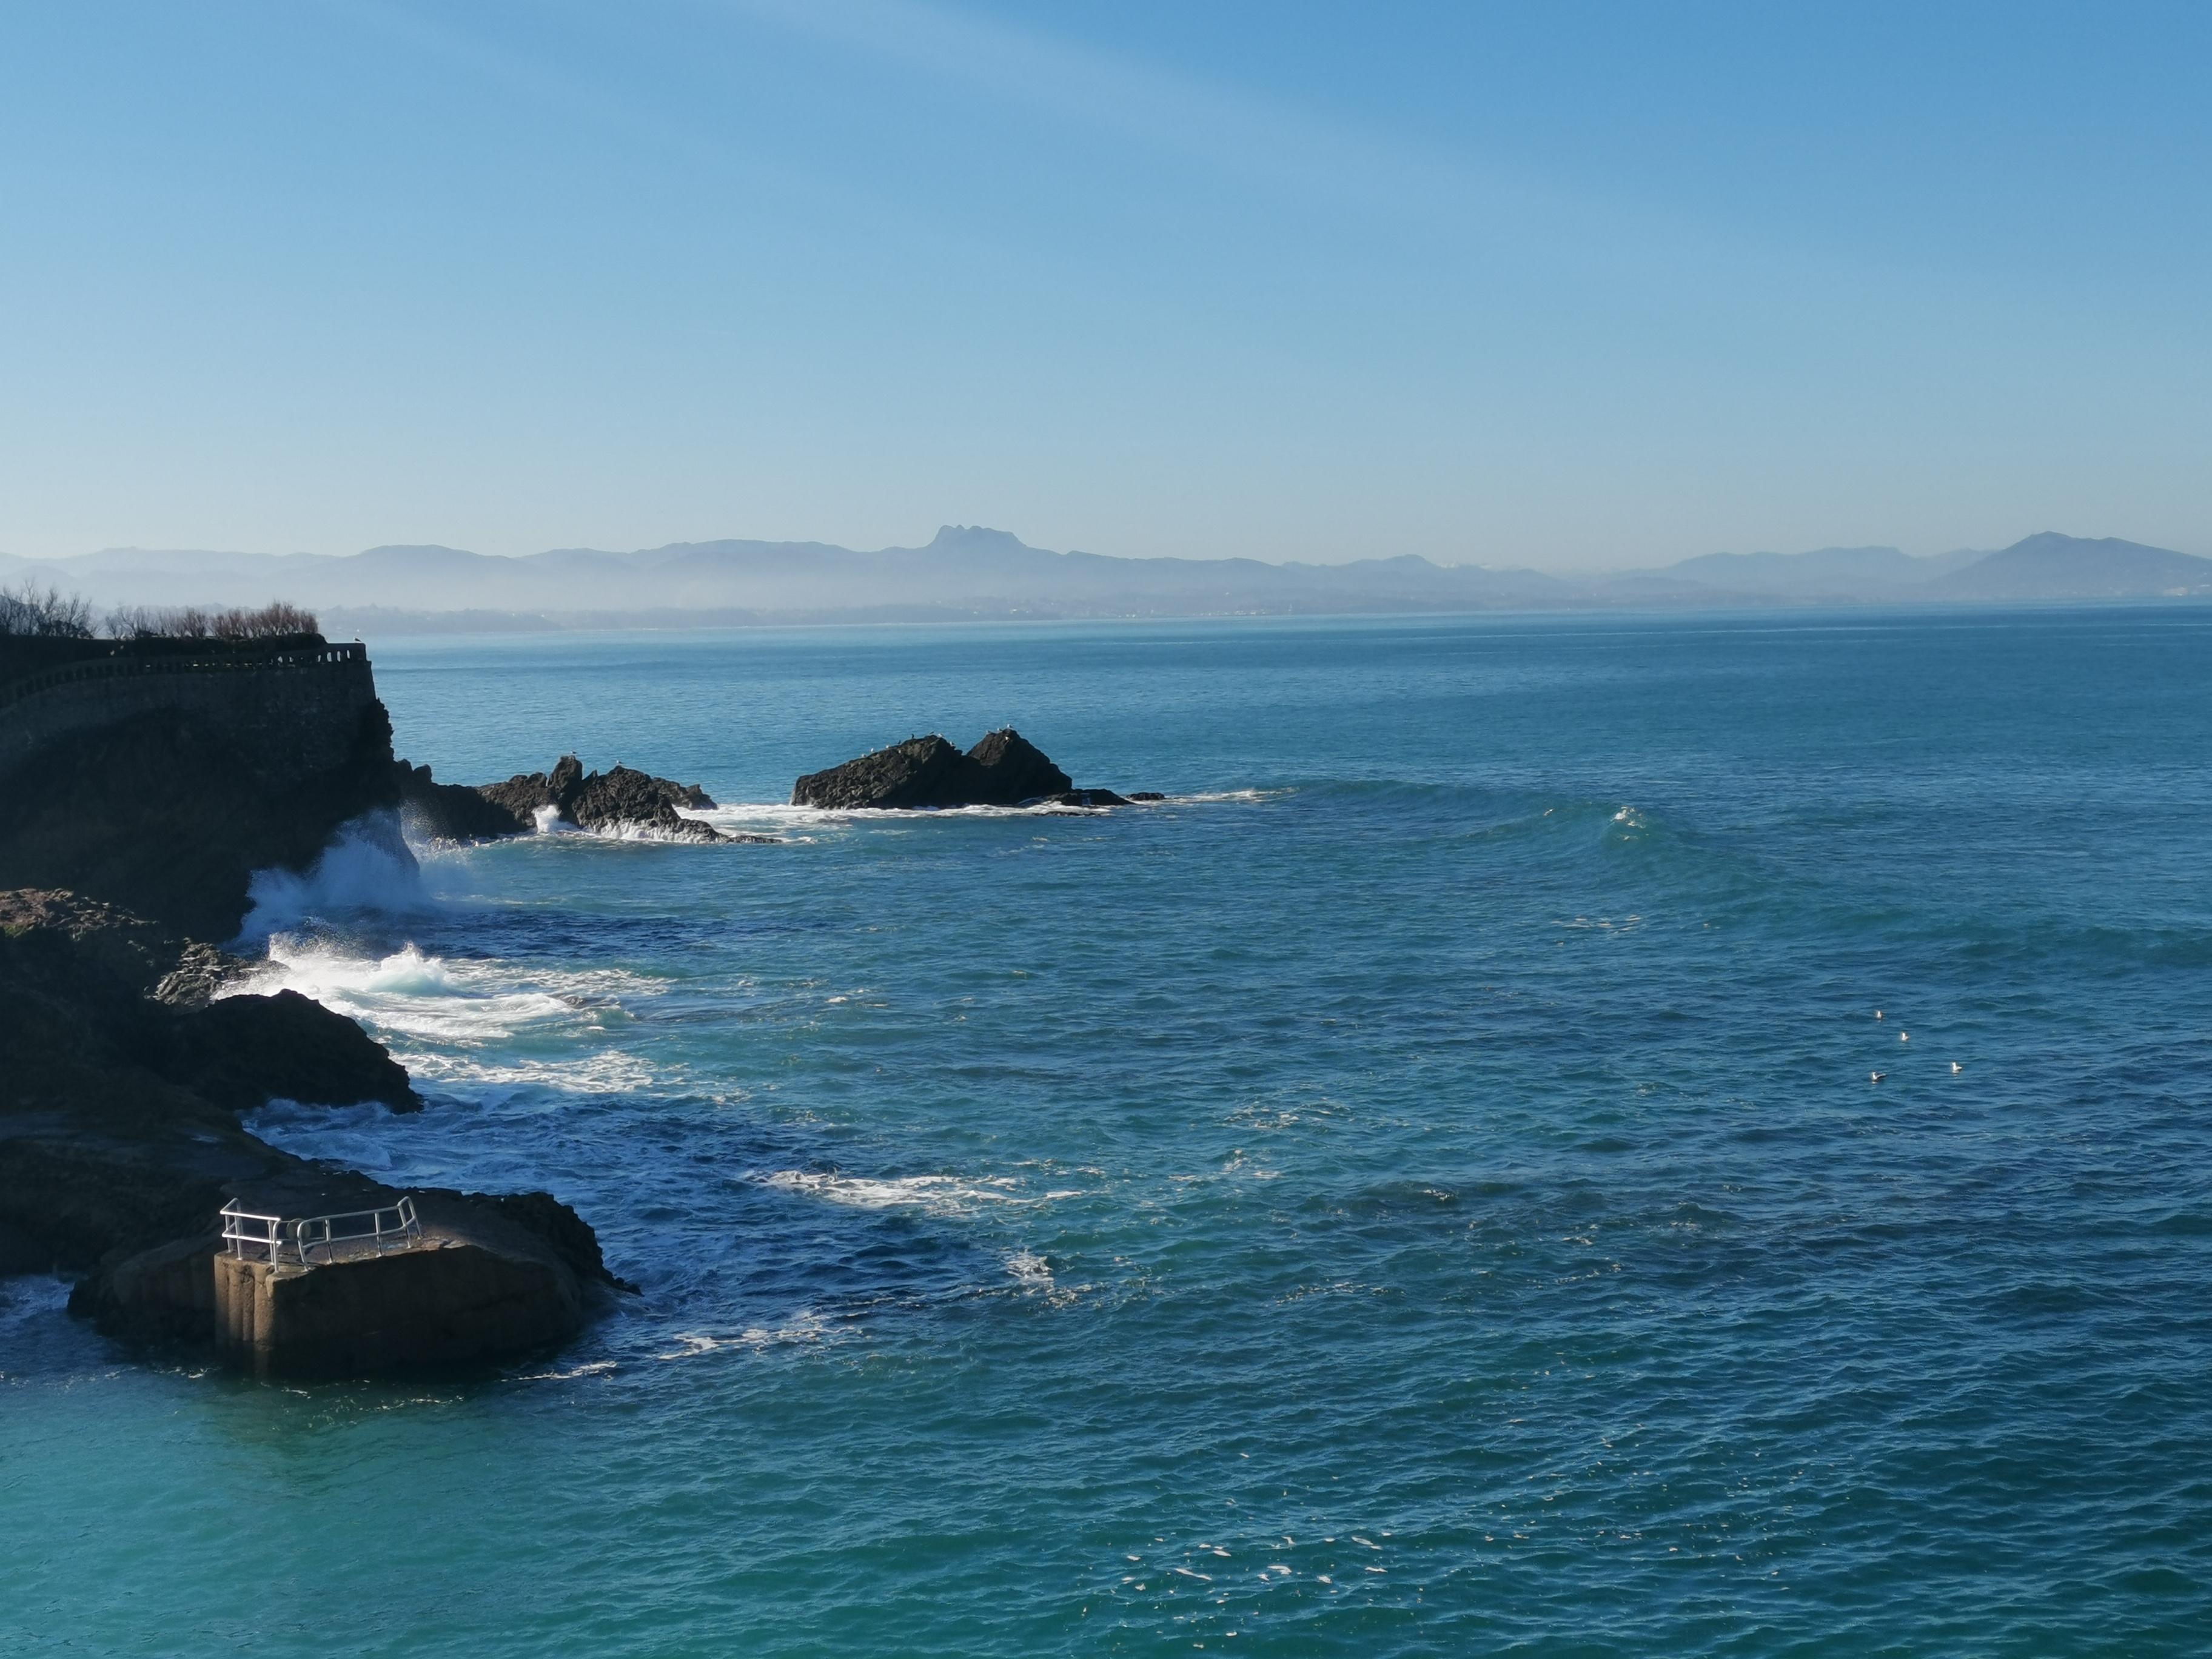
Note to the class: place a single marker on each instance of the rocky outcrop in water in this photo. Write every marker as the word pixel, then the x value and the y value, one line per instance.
pixel 1004 769
pixel 122 1076
pixel 623 801
pixel 142 789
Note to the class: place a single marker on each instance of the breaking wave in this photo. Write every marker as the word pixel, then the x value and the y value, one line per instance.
pixel 411 994
pixel 366 867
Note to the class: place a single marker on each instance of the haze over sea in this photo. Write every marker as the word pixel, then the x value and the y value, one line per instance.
pixel 1418 1190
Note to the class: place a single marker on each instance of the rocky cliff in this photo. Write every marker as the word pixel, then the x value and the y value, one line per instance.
pixel 139 793
pixel 160 781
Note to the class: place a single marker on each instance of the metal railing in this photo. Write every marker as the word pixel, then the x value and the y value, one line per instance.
pixel 311 1241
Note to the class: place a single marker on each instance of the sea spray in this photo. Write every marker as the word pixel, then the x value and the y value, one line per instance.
pixel 367 867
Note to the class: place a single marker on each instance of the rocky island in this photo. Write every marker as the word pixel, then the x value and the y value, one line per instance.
pixel 1004 769
pixel 142 782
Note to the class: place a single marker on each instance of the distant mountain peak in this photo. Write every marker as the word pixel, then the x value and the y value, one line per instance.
pixel 973 536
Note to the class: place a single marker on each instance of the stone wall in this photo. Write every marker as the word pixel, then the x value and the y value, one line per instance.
pixel 445 1303
pixel 292 712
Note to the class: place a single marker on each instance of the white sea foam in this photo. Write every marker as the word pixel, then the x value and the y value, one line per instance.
pixel 936 1194
pixel 803 1328
pixel 609 1072
pixel 596 1368
pixel 409 993
pixel 781 815
pixel 1207 796
pixel 548 821
pixel 367 866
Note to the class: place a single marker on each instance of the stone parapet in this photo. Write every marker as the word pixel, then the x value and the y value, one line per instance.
pixel 292 711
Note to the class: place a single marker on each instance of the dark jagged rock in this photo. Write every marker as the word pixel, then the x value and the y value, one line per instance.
pixel 120 1086
pixel 454 812
pixel 624 800
pixel 625 796
pixel 919 773
pixel 1004 769
pixel 1146 795
pixel 201 975
pixel 245 1050
pixel 561 1227
pixel 1015 769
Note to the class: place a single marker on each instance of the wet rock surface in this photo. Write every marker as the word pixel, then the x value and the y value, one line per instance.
pixel 621 802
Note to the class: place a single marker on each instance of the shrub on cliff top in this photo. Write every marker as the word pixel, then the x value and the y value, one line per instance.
pixel 192 623
pixel 28 612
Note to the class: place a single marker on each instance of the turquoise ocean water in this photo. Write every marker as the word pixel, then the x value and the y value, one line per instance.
pixel 1418 1191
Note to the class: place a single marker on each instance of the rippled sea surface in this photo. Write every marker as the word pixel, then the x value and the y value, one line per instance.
pixel 1421 1190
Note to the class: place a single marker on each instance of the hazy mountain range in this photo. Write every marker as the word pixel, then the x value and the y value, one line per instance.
pixel 972 572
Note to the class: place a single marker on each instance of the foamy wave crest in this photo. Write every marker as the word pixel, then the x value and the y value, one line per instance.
pixel 803 1329
pixel 1208 797
pixel 778 815
pixel 428 998
pixel 609 1072
pixel 367 866
pixel 938 1194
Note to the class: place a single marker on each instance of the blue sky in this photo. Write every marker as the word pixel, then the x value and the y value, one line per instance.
pixel 1564 285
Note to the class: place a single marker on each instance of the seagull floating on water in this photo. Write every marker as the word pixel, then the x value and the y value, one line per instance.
pixel 1876 1077
pixel 1877 1013
pixel 1956 1068
pixel 1905 1036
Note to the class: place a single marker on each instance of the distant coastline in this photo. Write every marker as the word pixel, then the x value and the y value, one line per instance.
pixel 969 574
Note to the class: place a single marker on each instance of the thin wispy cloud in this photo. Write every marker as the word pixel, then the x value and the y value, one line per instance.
pixel 1303 156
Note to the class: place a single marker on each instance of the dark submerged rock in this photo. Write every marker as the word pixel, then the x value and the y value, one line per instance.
pixel 1004 769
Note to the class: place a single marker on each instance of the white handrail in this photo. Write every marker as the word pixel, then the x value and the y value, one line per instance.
pixel 309 1239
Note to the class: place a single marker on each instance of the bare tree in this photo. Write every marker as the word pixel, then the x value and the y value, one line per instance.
pixel 274 621
pixel 30 612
